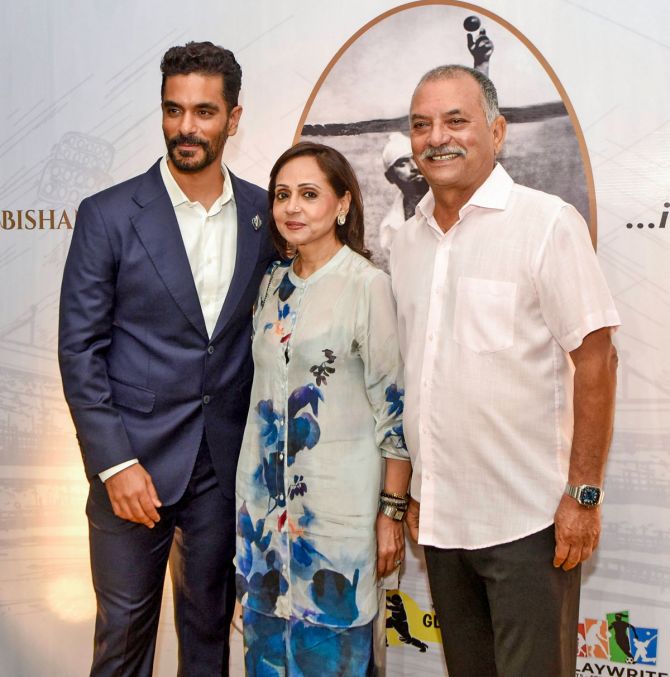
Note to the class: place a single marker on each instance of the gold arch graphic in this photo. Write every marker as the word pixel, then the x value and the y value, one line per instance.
pixel 588 172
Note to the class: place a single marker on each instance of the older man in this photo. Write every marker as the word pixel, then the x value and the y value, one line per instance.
pixel 505 323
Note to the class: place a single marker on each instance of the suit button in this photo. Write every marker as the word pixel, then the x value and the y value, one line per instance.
pixel 206 399
pixel 210 350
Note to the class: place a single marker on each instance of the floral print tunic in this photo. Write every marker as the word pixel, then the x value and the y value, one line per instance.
pixel 326 406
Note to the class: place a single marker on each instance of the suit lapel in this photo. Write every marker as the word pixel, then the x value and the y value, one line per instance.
pixel 156 226
pixel 248 242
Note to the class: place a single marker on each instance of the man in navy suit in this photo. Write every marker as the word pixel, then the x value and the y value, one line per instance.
pixel 154 350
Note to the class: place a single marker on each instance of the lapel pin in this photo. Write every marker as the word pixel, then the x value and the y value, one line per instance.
pixel 256 222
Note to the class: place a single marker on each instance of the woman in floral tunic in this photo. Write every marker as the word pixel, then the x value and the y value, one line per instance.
pixel 326 408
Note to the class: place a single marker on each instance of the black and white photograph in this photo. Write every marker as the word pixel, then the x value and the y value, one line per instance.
pixel 361 108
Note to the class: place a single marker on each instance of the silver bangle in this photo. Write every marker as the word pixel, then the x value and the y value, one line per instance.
pixel 390 494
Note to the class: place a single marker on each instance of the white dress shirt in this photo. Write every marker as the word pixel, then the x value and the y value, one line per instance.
pixel 487 314
pixel 210 240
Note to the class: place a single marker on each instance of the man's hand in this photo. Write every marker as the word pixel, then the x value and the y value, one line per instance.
pixel 390 545
pixel 412 519
pixel 133 496
pixel 577 533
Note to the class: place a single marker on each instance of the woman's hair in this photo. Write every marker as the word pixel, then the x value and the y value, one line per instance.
pixel 341 178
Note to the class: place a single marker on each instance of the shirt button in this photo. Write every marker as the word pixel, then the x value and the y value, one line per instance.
pixel 210 350
pixel 206 399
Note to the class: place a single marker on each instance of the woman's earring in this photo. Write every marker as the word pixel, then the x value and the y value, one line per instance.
pixel 341 219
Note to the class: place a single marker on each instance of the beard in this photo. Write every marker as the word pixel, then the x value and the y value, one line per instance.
pixel 185 161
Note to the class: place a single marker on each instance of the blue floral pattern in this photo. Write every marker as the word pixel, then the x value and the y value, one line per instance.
pixel 327 406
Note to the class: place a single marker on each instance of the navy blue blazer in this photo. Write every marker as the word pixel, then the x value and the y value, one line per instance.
pixel 141 377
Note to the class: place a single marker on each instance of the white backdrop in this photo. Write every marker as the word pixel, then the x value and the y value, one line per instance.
pixel 80 93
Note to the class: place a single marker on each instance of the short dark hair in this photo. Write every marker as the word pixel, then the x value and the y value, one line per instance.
pixel 486 86
pixel 208 59
pixel 341 178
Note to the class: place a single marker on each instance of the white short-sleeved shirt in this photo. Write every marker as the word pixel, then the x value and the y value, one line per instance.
pixel 487 314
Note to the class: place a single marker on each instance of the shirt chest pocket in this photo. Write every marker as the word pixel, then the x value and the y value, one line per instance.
pixel 484 314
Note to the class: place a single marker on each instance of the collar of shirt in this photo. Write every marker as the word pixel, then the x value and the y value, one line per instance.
pixel 492 194
pixel 210 242
pixel 177 196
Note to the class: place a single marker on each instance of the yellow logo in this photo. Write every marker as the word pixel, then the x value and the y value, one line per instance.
pixel 408 623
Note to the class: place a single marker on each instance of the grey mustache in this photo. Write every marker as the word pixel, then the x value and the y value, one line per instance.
pixel 442 150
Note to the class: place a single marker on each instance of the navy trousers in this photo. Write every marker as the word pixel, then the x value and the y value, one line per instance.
pixel 128 562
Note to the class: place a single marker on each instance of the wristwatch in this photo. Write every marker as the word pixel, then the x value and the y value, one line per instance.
pixel 585 494
pixel 392 512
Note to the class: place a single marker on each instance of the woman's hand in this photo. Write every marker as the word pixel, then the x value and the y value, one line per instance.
pixel 390 545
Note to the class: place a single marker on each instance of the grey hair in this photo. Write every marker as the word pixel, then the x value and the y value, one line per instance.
pixel 489 95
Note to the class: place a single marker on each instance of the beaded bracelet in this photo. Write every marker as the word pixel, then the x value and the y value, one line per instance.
pixel 388 494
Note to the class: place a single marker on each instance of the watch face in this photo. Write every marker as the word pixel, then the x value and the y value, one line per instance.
pixel 589 496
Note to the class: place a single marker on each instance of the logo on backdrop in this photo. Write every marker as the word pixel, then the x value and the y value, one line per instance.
pixel 617 639
pixel 407 623
pixel 37 219
pixel 662 223
pixel 77 167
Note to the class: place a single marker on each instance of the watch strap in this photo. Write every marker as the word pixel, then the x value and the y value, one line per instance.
pixel 573 490
pixel 576 491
